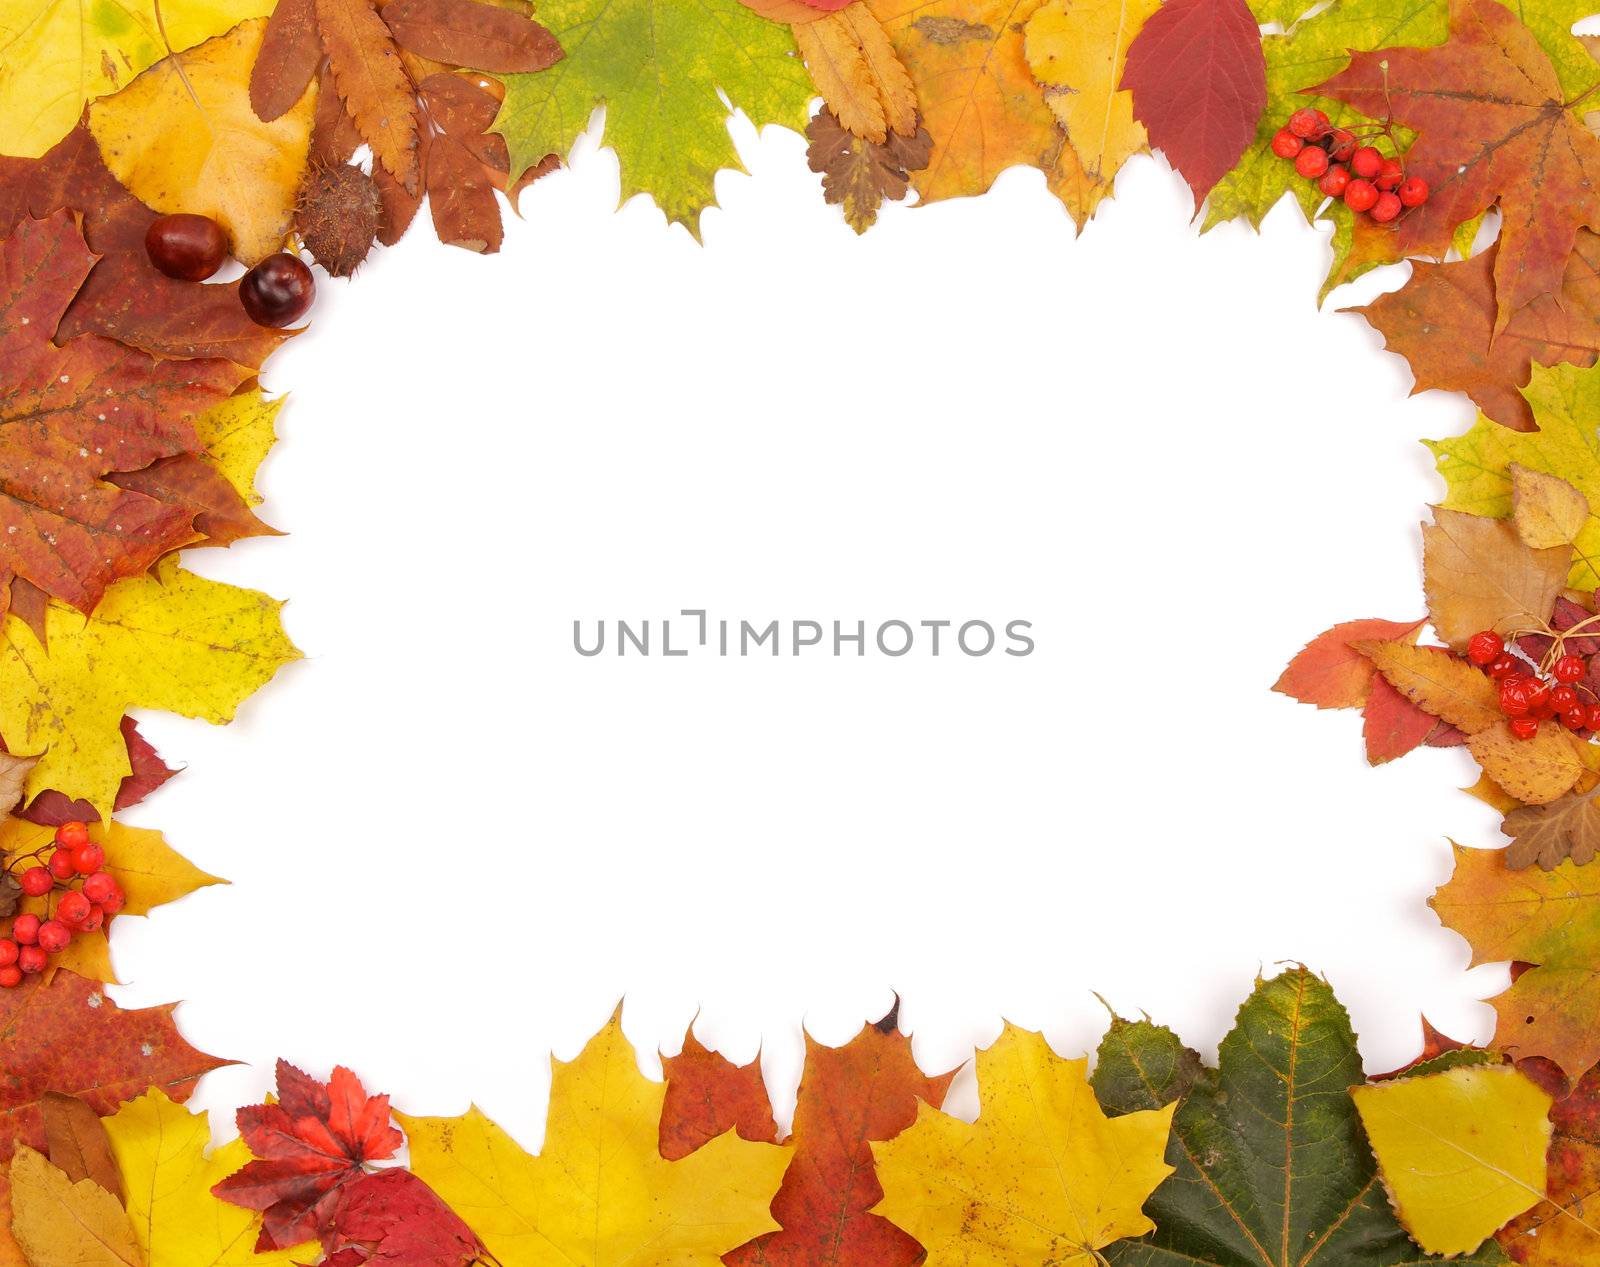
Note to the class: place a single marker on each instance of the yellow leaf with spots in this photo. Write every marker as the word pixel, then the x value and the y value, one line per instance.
pixel 1461 1152
pixel 599 1191
pixel 1545 510
pixel 237 435
pixel 1043 1175
pixel 1436 682
pixel 65 1224
pixel 1536 770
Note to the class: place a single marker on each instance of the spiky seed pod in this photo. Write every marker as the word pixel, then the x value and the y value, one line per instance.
pixel 337 216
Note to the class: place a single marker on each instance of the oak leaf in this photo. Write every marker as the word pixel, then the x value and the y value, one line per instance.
pixel 147 772
pixel 1199 86
pixel 855 69
pixel 1479 575
pixel 1438 682
pixel 183 137
pixel 858 175
pixel 1563 1230
pixel 637 1208
pixel 1042 1175
pixel 1547 919
pixel 1493 126
pixel 1461 1152
pixel 58 1222
pixel 172 641
pixel 1549 834
pixel 707 1096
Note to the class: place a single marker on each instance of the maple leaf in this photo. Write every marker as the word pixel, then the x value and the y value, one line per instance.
pixel 854 66
pixel 162 1152
pixel 859 175
pixel 1562 1230
pixel 1271 1167
pixel 1041 1176
pixel 707 1096
pixel 75 414
pixel 1509 136
pixel 1477 466
pixel 1548 919
pixel 313 1141
pixel 1461 1152
pixel 1478 575
pixel 171 641
pixel 60 55
pixel 851 1097
pixel 1198 80
pixel 148 772
pixel 1549 834
pixel 637 1207
pixel 658 66
pixel 393 1218
pixel 1076 49
pixel 57 1221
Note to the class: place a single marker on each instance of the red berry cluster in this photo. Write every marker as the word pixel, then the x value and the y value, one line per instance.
pixel 1345 168
pixel 1528 695
pixel 81 897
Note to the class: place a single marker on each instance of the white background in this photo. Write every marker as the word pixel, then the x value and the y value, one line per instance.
pixel 455 843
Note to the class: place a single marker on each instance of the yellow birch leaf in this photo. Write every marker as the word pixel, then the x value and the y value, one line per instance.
pixel 1536 770
pixel 160 1148
pixel 184 137
pixel 599 1190
pixel 1546 510
pixel 59 1223
pixel 1436 682
pixel 1076 50
pixel 1043 1175
pixel 1478 574
pixel 1462 1152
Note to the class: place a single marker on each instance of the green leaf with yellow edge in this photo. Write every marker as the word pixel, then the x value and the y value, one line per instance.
pixel 1477 466
pixel 150 872
pixel 59 1223
pixel 57 55
pixel 599 1191
pixel 1462 1153
pixel 657 66
pixel 1043 1175
pixel 171 641
pixel 161 1149
pixel 236 437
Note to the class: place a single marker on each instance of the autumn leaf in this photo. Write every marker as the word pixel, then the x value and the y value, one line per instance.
pixel 172 641
pixel 1549 834
pixel 1477 466
pixel 183 137
pixel 851 1097
pixel 467 33
pixel 1077 50
pixel 372 83
pixel 1041 1176
pixel 1393 725
pixel 637 1207
pixel 1546 511
pixel 76 1141
pixel 393 1218
pixel 858 175
pixel 1461 1152
pixel 60 55
pixel 1549 919
pixel 58 1222
pixel 855 69
pixel 14 773
pixel 1507 137
pixel 1438 682
pixel 1479 575
pixel 707 1096
pixel 73 415
pixel 658 66
pixel 1198 81
pixel 1534 770
pixel 1562 1229
pixel 162 1151
pixel 148 772
pixel 1331 672
pixel 1271 1166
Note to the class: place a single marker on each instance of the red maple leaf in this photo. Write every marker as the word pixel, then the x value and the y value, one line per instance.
pixel 708 1095
pixel 395 1219
pixel 316 1139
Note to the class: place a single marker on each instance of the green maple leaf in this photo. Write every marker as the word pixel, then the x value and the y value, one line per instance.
pixel 1272 1166
pixel 659 67
pixel 1477 466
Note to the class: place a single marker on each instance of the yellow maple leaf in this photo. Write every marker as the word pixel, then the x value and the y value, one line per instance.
pixel 150 872
pixel 184 137
pixel 1462 1152
pixel 599 1192
pixel 160 1148
pixel 171 640
pixel 1043 1175
pixel 236 437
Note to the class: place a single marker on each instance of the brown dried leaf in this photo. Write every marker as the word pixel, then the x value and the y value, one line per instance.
pixel 859 175
pixel 13 778
pixel 467 33
pixel 1534 770
pixel 334 138
pixel 1437 682
pixel 77 1142
pixel 1548 834
pixel 290 53
pixel 1478 574
pixel 461 198
pixel 372 83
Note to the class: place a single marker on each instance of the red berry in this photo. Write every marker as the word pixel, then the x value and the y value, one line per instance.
pixel 1525 727
pixel 1312 162
pixel 73 908
pixel 54 936
pixel 278 291
pixel 1285 144
pixel 1334 180
pixel 101 885
pixel 1538 693
pixel 1366 162
pixel 88 860
pixel 1385 208
pixel 25 930
pixel 1390 174
pixel 1503 666
pixel 93 920
pixel 72 835
pixel 112 903
pixel 60 864
pixel 10 977
pixel 1575 717
pixel 32 959
pixel 36 881
pixel 8 952
pixel 1308 123
pixel 1413 191
pixel 1570 668
pixel 1514 702
pixel 1485 647
pixel 1591 719
pixel 187 247
pixel 1563 698
pixel 1359 195
pixel 1341 145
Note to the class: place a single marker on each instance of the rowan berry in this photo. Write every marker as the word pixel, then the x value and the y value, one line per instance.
pixel 72 835
pixel 32 959
pixel 1359 195
pixel 1285 144
pixel 1366 162
pixel 8 952
pixel 1503 665
pixel 1538 693
pixel 1575 717
pixel 25 929
pixel 92 921
pixel 1563 698
pixel 101 885
pixel 113 903
pixel 1413 191
pixel 1308 123
pixel 10 977
pixel 54 936
pixel 1390 174
pixel 1570 668
pixel 1312 162
pixel 73 908
pixel 60 864
pixel 1485 647
pixel 1334 180
pixel 1341 145
pixel 1525 727
pixel 1385 208
pixel 36 881
pixel 1514 701
pixel 1592 719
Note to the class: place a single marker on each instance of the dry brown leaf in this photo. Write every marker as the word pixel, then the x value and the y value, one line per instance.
pixel 858 175
pixel 290 53
pixel 467 33
pixel 14 773
pixel 1536 770
pixel 1437 682
pixel 1546 510
pixel 1478 574
pixel 59 1222
pixel 77 1142
pixel 1548 834
pixel 372 83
